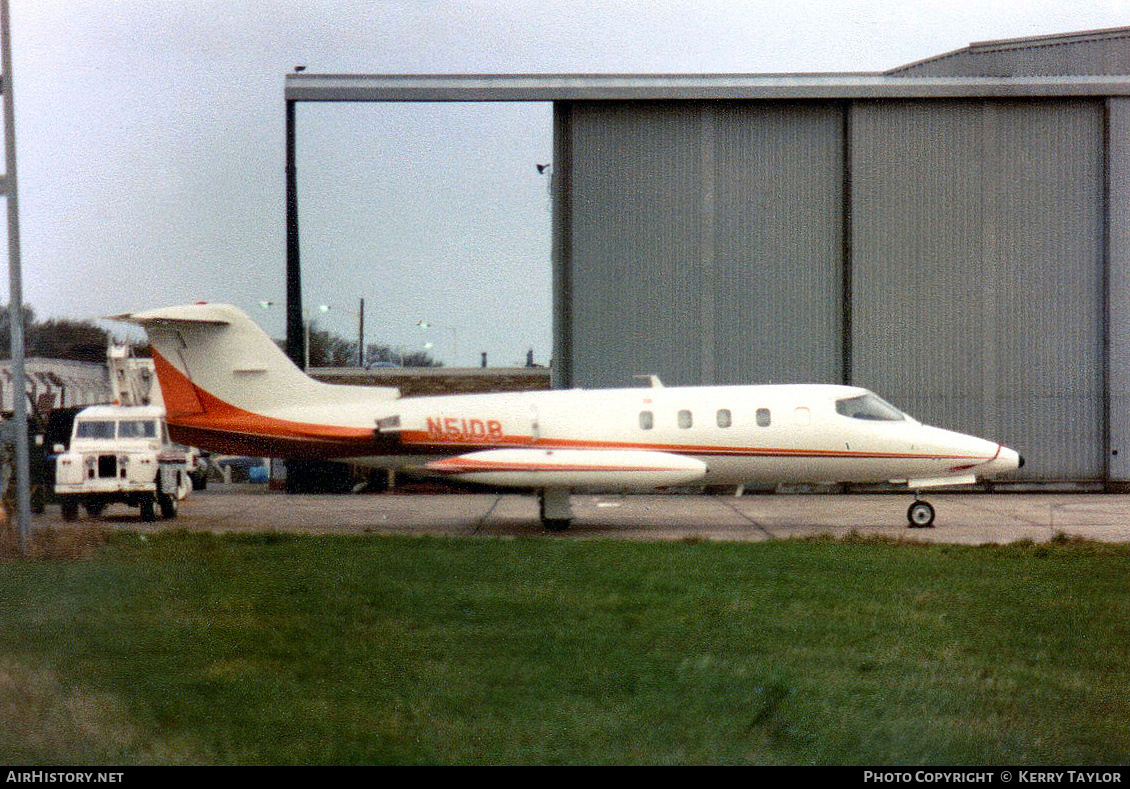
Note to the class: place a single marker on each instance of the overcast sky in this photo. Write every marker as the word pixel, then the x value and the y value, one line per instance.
pixel 150 137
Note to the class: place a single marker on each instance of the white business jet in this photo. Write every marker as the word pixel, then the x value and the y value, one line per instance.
pixel 228 388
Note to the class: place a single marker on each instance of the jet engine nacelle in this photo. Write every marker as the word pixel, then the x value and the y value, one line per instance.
pixel 571 468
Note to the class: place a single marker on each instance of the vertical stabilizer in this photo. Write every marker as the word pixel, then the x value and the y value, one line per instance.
pixel 212 356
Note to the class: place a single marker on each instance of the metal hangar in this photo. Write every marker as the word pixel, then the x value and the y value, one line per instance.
pixel 953 234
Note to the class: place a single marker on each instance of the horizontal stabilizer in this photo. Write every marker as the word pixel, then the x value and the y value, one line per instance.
pixel 571 468
pixel 215 315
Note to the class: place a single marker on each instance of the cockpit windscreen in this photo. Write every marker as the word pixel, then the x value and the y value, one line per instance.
pixel 869 406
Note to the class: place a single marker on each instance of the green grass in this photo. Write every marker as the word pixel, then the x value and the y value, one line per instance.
pixel 274 649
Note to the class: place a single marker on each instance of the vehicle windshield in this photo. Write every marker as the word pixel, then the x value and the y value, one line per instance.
pixel 869 406
pixel 100 428
pixel 137 428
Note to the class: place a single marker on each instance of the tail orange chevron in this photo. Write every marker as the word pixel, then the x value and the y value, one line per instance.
pixel 181 398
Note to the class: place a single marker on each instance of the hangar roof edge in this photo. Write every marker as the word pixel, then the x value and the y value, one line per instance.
pixel 307 87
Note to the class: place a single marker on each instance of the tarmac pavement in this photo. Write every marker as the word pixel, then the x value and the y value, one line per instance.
pixel 966 518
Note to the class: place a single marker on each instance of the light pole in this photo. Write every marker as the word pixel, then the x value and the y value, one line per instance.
pixel 15 289
pixel 266 305
pixel 360 316
pixel 454 339
pixel 323 308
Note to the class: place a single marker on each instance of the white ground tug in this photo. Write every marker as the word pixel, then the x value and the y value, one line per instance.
pixel 122 454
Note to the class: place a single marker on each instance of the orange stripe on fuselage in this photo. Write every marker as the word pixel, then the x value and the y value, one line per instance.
pixel 421 438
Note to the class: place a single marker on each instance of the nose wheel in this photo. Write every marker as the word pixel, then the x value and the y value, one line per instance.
pixel 920 515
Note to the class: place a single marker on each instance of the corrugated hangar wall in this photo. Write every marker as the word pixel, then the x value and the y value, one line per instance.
pixel 977 236
pixel 708 242
pixel 1096 52
pixel 1118 287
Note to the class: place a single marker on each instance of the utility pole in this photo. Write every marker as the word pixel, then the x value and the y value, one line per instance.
pixel 15 288
pixel 361 336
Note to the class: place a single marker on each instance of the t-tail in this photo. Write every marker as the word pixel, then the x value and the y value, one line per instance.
pixel 228 387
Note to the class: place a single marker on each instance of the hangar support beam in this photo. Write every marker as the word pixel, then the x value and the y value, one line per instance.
pixel 295 334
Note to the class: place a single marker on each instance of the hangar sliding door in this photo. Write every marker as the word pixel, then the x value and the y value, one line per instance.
pixel 1118 299
pixel 977 254
pixel 704 241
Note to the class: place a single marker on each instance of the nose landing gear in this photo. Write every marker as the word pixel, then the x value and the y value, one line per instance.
pixel 920 514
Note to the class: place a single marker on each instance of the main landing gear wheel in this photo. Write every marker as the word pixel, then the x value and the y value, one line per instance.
pixel 554 509
pixel 921 515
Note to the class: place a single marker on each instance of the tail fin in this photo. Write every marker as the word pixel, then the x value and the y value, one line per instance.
pixel 212 356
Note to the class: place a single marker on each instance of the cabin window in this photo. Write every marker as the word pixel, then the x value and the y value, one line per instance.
pixel 763 417
pixel 685 419
pixel 647 421
pixel 724 418
pixel 869 406
pixel 802 416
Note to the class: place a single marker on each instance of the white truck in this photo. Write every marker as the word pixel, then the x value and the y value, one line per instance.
pixel 121 454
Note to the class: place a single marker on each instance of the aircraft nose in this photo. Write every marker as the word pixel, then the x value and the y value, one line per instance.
pixel 1007 460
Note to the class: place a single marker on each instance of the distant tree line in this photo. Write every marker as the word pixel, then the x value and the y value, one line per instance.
pixel 332 350
pixel 55 338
